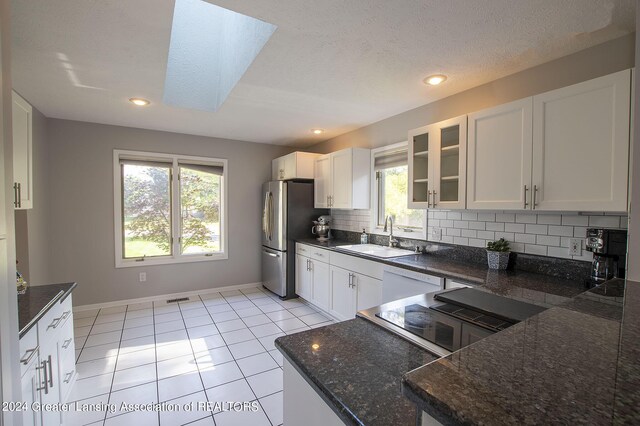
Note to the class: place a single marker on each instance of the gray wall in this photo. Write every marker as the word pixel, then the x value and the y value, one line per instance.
pixel 81 224
pixel 32 233
pixel 600 60
pixel 633 271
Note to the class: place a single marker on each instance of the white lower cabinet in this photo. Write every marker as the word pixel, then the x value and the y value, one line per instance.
pixel 337 283
pixel 48 364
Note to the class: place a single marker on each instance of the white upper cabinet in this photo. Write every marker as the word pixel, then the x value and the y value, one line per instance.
pixel 581 145
pixel 499 160
pixel 342 179
pixel 438 165
pixel 22 153
pixel 297 165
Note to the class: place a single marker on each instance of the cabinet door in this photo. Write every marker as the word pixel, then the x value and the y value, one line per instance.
pixel 304 287
pixel 31 382
pixel 322 181
pixel 277 169
pixel 290 166
pixel 342 179
pixel 420 145
pixel 499 160
pixel 581 145
pixel 369 291
pixel 22 154
pixel 321 287
pixel 50 374
pixel 449 163
pixel 343 294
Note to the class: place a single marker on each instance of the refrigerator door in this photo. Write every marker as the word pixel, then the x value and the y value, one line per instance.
pixel 274 271
pixel 274 215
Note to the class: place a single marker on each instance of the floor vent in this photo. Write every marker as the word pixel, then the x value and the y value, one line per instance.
pixel 179 299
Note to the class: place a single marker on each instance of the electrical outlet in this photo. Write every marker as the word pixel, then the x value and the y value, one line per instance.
pixel 436 234
pixel 575 246
pixel 143 277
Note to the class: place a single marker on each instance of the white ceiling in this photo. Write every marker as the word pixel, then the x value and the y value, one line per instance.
pixel 333 64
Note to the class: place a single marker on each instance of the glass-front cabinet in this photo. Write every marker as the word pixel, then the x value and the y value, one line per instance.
pixel 437 165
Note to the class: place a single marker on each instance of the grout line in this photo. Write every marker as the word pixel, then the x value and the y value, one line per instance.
pixel 155 354
pixel 113 377
pixel 87 336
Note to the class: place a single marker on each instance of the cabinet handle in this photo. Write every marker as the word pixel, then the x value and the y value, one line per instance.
pixel 66 314
pixel 535 196
pixel 434 200
pixel 428 198
pixel 55 323
pixel 29 354
pixel 68 376
pixel 525 196
pixel 45 387
pixel 308 268
pixel 19 195
pixel 66 343
pixel 281 173
pixel 50 372
pixel 15 194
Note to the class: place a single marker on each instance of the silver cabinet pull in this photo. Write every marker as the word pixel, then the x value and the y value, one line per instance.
pixel 66 343
pixel 15 194
pixel 428 198
pixel 308 268
pixel 50 372
pixel 45 387
pixel 433 203
pixel 525 196
pixel 54 323
pixel 66 314
pixel 29 354
pixel 535 196
pixel 68 376
pixel 19 195
pixel 319 254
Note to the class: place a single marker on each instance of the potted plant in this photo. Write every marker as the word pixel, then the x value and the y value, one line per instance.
pixel 498 254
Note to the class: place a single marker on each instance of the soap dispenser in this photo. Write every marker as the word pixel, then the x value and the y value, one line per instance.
pixel 364 238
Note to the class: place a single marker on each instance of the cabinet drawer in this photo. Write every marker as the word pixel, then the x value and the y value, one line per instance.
pixel 28 349
pixel 366 267
pixel 52 321
pixel 65 339
pixel 312 252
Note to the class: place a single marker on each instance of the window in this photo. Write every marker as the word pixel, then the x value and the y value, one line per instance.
pixel 391 175
pixel 168 208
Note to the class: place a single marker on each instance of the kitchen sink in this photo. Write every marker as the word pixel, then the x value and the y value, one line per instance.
pixel 375 250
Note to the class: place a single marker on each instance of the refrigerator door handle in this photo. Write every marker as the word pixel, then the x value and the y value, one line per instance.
pixel 270 216
pixel 268 253
pixel 265 215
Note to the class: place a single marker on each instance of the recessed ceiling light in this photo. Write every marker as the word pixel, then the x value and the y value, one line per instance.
pixel 317 131
pixel 139 101
pixel 434 80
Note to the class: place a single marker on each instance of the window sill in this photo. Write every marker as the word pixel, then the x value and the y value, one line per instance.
pixel 132 263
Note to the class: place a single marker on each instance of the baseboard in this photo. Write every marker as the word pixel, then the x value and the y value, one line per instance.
pixel 322 311
pixel 163 297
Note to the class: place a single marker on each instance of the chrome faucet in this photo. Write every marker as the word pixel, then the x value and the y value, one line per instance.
pixel 392 241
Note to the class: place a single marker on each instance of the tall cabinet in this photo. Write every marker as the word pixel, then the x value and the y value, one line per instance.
pixel 22 152
pixel 438 165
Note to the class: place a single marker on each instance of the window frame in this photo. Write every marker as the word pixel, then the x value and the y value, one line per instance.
pixel 374 226
pixel 176 223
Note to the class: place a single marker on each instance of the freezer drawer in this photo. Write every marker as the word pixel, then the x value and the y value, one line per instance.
pixel 274 271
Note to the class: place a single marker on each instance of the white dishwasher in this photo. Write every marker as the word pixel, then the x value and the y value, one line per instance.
pixel 398 283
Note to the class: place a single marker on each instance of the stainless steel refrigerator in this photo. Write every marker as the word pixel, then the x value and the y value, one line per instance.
pixel 287 214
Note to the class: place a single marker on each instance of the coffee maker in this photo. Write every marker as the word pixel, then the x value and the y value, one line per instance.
pixel 609 248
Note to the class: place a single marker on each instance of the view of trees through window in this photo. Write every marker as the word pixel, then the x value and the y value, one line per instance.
pixel 147 217
pixel 392 193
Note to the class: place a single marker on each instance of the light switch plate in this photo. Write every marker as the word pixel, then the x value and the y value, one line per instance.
pixel 436 234
pixel 143 277
pixel 575 246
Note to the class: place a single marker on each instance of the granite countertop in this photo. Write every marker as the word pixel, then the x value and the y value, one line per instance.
pixel 577 363
pixel 357 369
pixel 37 300
pixel 545 290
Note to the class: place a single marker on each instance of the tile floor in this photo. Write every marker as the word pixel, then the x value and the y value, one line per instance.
pixel 217 347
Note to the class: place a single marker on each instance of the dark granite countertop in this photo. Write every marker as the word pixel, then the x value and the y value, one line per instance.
pixel 357 369
pixel 37 300
pixel 545 290
pixel 578 363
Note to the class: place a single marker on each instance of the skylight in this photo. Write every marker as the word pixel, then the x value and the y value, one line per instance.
pixel 211 48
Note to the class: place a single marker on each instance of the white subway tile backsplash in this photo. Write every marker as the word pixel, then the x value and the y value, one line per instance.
pixel 527 232
pixel 562 231
pixel 605 221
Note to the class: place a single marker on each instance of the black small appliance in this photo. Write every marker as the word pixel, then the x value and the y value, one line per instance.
pixel 609 248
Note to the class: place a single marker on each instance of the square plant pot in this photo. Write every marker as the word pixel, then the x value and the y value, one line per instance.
pixel 498 259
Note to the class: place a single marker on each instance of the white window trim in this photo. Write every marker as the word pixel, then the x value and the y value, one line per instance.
pixel 418 234
pixel 176 257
